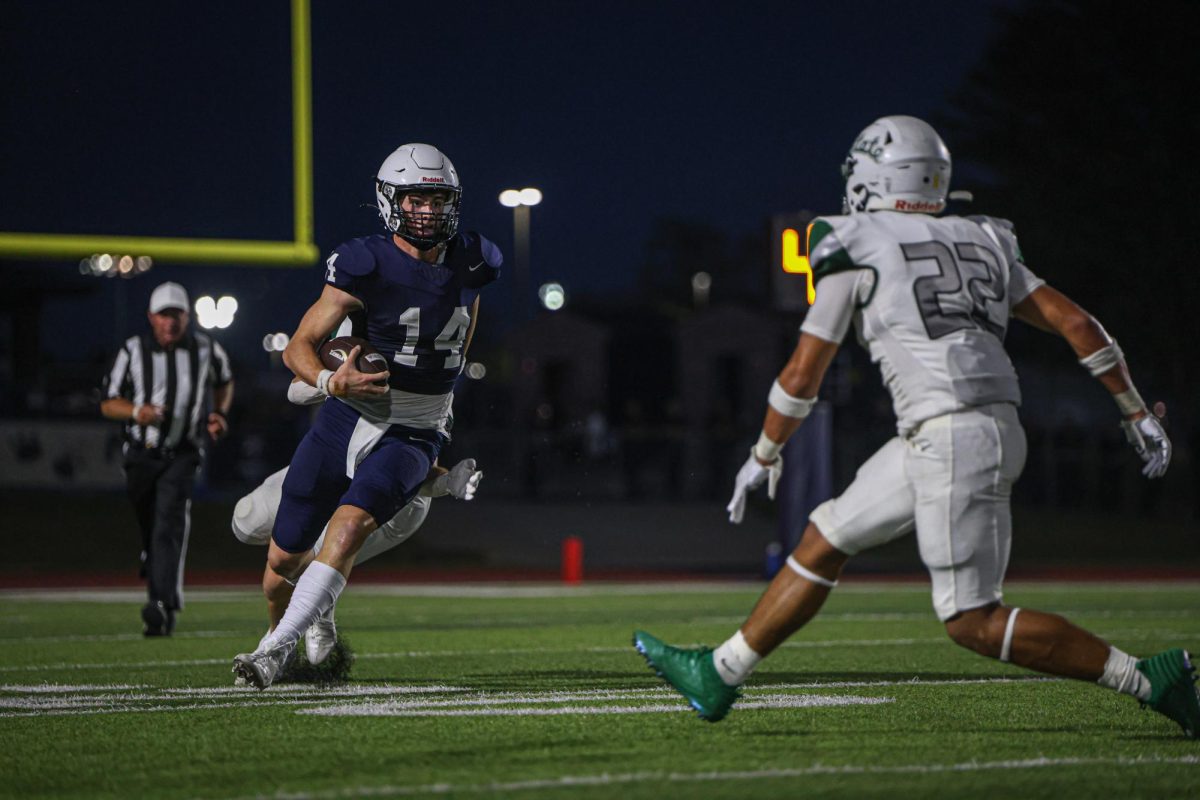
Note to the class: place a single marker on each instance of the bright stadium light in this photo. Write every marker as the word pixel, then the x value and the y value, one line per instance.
pixel 206 311
pixel 275 342
pixel 107 265
pixel 226 308
pixel 552 296
pixel 520 201
pixel 215 313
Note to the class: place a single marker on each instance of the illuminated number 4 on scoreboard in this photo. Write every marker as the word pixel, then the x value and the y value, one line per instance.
pixel 795 262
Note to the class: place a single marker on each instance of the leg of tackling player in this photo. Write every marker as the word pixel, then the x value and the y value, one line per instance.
pixel 254 518
pixel 711 680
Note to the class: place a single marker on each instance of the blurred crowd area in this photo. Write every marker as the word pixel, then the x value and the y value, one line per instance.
pixel 622 406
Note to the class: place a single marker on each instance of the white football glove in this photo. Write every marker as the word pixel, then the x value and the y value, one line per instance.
pixel 1151 443
pixel 460 482
pixel 750 477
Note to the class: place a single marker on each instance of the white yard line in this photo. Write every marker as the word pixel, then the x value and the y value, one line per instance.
pixel 617 779
pixel 119 637
pixel 416 700
pixel 554 590
pixel 440 654
pixel 503 651
pixel 493 710
pixel 66 665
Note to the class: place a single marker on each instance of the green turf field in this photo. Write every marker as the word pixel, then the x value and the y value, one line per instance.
pixel 515 692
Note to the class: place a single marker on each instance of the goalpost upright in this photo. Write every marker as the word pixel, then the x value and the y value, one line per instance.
pixel 301 251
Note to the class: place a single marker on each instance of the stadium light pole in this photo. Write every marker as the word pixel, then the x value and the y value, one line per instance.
pixel 520 201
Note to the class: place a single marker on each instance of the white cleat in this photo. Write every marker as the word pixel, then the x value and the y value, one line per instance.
pixel 320 638
pixel 260 669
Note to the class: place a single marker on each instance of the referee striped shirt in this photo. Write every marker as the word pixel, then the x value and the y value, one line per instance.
pixel 176 379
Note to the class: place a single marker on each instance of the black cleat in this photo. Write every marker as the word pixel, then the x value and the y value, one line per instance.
pixel 157 619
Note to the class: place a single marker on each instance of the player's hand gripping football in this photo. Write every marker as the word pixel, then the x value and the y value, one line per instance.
pixel 750 477
pixel 349 381
pixel 1151 443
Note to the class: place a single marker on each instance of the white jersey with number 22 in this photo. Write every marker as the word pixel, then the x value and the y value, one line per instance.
pixel 930 299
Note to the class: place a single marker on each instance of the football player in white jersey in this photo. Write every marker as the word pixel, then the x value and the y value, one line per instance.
pixel 254 518
pixel 930 297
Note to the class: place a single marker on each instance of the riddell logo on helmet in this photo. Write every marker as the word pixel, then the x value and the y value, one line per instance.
pixel 917 205
pixel 432 180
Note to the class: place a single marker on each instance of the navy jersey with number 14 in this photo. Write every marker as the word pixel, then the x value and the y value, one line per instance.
pixel 416 314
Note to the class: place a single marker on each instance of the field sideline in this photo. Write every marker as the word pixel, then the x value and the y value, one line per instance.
pixel 534 691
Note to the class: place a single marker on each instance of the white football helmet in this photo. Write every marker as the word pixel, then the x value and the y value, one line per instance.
pixel 897 164
pixel 418 168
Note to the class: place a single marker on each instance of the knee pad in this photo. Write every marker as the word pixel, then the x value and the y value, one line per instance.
pixel 252 520
pixel 254 514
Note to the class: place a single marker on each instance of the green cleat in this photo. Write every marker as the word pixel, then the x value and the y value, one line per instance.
pixel 691 673
pixel 1173 689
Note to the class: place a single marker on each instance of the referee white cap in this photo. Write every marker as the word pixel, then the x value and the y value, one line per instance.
pixel 168 295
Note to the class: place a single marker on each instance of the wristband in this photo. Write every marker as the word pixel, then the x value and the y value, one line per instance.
pixel 1130 402
pixel 1103 359
pixel 784 403
pixel 323 381
pixel 766 449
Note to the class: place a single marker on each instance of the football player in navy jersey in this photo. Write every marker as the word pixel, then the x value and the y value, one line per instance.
pixel 254 519
pixel 416 291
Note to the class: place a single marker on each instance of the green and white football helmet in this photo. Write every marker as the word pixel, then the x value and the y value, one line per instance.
pixel 897 163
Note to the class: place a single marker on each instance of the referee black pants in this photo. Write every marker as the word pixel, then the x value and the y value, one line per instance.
pixel 160 488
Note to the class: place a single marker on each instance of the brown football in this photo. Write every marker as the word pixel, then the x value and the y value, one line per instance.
pixel 334 353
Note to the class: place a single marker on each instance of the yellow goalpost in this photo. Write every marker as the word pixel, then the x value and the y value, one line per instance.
pixel 302 251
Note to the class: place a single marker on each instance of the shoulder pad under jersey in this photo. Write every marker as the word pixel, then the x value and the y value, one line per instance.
pixel 826 253
pixel 474 258
pixel 1002 232
pixel 349 262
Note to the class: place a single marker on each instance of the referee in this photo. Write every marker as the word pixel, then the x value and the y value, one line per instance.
pixel 159 385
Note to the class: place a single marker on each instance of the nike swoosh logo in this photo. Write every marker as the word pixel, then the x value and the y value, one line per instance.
pixel 477 266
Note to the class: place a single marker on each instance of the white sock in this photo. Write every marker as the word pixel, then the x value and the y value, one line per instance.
pixel 735 660
pixel 1121 673
pixel 316 592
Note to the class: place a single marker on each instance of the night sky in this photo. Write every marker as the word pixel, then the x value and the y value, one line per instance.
pixel 173 118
